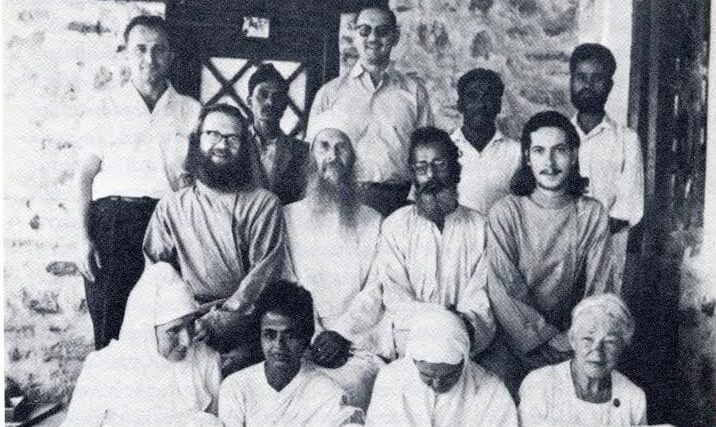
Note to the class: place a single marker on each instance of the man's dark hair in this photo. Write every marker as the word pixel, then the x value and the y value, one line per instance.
pixel 264 73
pixel 490 77
pixel 433 137
pixel 194 165
pixel 149 21
pixel 392 19
pixel 594 51
pixel 523 182
pixel 290 300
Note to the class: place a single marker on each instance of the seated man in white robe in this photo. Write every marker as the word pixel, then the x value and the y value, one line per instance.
pixel 285 389
pixel 333 264
pixel 547 249
pixel 154 374
pixel 432 252
pixel 436 383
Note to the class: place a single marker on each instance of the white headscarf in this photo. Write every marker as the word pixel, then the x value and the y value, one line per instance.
pixel 160 296
pixel 130 380
pixel 438 336
pixel 332 120
pixel 400 397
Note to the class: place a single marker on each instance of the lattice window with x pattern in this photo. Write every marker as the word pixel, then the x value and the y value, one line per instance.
pixel 234 89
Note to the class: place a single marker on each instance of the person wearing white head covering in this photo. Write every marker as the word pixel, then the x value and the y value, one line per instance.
pixel 334 265
pixel 437 384
pixel 587 390
pixel 153 375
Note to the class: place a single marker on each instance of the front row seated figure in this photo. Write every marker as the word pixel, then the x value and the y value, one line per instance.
pixel 285 389
pixel 437 384
pixel 587 390
pixel 153 375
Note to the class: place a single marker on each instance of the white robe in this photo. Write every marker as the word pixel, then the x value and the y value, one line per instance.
pixel 400 398
pixel 332 260
pixel 310 399
pixel 548 398
pixel 417 264
pixel 129 383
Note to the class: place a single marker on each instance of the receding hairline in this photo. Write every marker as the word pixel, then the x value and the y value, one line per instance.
pixel 389 14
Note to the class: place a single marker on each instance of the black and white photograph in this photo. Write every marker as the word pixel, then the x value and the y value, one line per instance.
pixel 269 213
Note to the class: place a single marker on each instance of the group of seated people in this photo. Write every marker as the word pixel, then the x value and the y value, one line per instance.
pixel 385 273
pixel 158 374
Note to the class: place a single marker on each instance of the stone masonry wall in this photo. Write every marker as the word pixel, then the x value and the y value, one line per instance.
pixel 528 42
pixel 58 55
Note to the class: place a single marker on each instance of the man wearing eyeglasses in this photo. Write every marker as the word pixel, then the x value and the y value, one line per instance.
pixel 136 140
pixel 223 234
pixel 429 253
pixel 381 106
pixel 281 158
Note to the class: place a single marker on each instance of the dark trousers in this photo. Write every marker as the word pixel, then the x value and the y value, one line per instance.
pixel 117 227
pixel 385 198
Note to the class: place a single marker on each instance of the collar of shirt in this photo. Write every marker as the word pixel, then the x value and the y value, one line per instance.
pixel 389 76
pixel 606 123
pixel 464 145
pixel 133 99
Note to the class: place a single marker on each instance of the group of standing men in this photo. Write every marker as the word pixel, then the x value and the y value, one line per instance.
pixel 509 235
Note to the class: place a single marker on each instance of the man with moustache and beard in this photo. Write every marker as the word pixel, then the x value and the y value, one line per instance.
pixel 547 250
pixel 281 159
pixel 224 235
pixel 332 240
pixel 610 153
pixel 432 252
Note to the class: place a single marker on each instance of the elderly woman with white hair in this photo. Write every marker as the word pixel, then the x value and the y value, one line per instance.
pixel 436 383
pixel 587 390
pixel 154 374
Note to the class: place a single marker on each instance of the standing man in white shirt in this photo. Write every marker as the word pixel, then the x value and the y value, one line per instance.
pixel 137 139
pixel 381 106
pixel 489 159
pixel 610 153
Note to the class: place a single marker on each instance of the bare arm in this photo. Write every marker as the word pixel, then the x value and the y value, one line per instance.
pixel 87 259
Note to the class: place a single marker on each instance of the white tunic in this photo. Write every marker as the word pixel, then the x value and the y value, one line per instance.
pixel 486 175
pixel 310 399
pixel 548 398
pixel 610 156
pixel 141 153
pixel 417 264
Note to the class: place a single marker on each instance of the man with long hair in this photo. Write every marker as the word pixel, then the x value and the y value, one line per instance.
pixel 547 249
pixel 223 234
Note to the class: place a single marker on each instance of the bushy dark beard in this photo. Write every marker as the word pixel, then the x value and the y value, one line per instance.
pixel 435 200
pixel 226 177
pixel 326 195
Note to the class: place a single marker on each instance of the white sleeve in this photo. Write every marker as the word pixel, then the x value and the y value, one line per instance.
pixel 629 202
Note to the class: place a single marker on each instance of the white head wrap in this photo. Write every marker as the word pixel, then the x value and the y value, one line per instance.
pixel 330 120
pixel 438 336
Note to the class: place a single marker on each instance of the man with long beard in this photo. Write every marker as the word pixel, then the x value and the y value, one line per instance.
pixel 610 153
pixel 225 236
pixel 334 263
pixel 430 253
